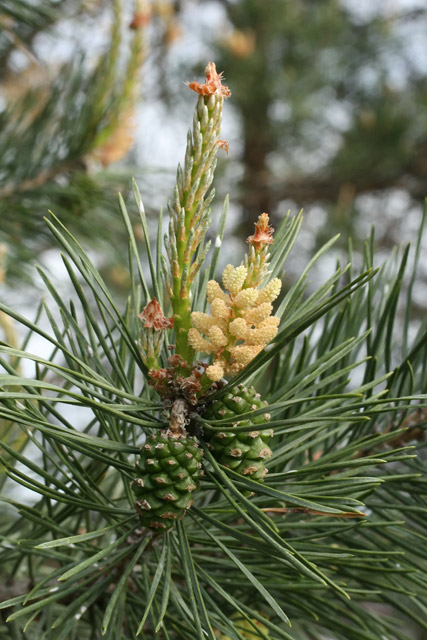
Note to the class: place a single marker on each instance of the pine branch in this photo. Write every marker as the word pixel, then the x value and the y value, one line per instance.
pixel 330 541
pixel 81 114
pixel 190 210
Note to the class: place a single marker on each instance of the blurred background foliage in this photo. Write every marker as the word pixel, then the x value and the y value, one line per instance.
pixel 328 113
pixel 329 98
pixel 66 115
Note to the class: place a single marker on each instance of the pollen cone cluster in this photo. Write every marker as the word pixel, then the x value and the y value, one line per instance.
pixel 240 322
pixel 243 451
pixel 169 471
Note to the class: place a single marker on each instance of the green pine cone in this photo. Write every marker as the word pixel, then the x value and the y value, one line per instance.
pixel 169 471
pixel 243 451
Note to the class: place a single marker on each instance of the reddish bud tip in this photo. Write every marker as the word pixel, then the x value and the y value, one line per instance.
pixel 141 18
pixel 263 232
pixel 212 85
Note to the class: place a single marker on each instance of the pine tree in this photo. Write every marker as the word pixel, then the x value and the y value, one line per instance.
pixel 329 543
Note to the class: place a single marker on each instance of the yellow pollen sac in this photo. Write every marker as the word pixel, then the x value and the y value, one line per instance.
pixel 243 354
pixel 259 314
pixel 234 368
pixel 198 342
pixel 270 291
pixel 202 321
pixel 213 290
pixel 234 277
pixel 238 328
pixel 217 338
pixel 219 309
pixel 246 298
pixel 264 333
pixel 215 372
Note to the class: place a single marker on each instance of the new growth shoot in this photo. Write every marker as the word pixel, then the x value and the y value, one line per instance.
pixel 190 209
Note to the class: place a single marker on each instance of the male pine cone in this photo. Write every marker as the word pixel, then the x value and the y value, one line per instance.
pixel 243 451
pixel 169 471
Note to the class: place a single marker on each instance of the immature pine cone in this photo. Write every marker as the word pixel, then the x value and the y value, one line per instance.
pixel 169 471
pixel 243 451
